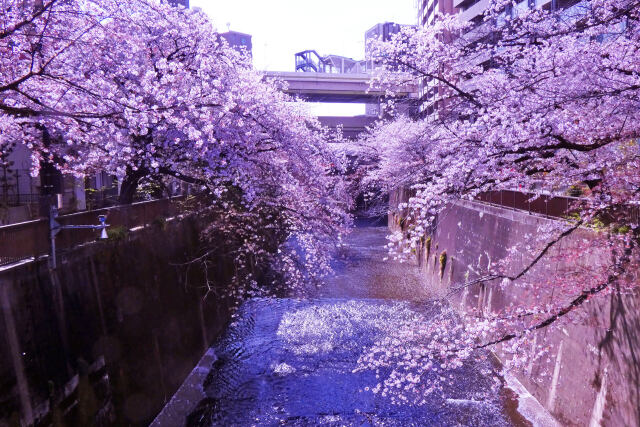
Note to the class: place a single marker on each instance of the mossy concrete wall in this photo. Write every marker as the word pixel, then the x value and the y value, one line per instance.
pixel 592 374
pixel 130 306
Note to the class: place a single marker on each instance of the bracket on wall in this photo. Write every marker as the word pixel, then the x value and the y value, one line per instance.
pixel 55 227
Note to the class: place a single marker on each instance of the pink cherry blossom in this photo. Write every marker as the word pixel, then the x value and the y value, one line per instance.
pixel 533 100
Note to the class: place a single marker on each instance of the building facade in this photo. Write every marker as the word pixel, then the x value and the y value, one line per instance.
pixel 21 194
pixel 239 41
pixel 183 3
pixel 469 11
pixel 429 88
pixel 383 32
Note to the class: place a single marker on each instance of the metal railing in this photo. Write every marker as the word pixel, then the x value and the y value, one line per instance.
pixel 543 204
pixel 30 239
pixel 18 187
pixel 550 205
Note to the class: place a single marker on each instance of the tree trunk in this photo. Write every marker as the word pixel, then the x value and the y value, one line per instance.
pixel 130 185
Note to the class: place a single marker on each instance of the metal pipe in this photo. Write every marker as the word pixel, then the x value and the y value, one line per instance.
pixel 55 227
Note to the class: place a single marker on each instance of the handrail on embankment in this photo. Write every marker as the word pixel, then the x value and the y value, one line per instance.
pixel 548 205
pixel 30 239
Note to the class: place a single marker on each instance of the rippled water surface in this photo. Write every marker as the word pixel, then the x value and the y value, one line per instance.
pixel 291 361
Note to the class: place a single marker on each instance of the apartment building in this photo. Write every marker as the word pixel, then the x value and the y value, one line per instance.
pixel 469 11
pixel 384 32
pixel 472 10
pixel 427 9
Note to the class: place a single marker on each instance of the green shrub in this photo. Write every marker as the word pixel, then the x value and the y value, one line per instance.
pixel 597 224
pixel 117 233
pixel 575 191
pixel 620 229
pixel 573 216
pixel 443 262
pixel 160 222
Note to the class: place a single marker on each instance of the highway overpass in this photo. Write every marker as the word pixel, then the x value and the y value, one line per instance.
pixel 330 87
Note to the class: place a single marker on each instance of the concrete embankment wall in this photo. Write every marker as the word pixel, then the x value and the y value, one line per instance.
pixel 109 336
pixel 592 373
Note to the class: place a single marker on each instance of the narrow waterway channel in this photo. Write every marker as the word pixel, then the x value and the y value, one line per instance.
pixel 291 361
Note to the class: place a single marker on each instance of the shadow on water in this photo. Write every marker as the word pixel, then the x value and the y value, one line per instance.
pixel 291 361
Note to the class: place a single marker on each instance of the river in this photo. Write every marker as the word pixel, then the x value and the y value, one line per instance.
pixel 291 361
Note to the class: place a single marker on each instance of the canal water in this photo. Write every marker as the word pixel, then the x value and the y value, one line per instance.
pixel 291 361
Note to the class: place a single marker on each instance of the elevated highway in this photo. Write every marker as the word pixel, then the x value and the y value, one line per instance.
pixel 333 87
pixel 340 88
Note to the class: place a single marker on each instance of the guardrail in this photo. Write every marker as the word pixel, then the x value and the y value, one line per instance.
pixel 30 239
pixel 544 204
pixel 553 206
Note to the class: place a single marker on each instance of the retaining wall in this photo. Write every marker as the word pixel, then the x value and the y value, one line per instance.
pixel 109 336
pixel 592 376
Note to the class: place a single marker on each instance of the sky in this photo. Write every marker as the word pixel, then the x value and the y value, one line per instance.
pixel 280 28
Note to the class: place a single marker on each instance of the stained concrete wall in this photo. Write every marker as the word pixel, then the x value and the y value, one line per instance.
pixel 129 303
pixel 592 375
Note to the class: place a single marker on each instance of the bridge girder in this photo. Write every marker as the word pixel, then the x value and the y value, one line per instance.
pixel 344 88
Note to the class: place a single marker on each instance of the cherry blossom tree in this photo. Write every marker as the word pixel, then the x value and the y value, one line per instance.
pixel 143 89
pixel 534 100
